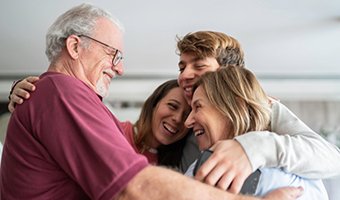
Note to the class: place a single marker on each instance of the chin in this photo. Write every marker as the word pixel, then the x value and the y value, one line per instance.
pixel 102 89
pixel 102 92
pixel 203 147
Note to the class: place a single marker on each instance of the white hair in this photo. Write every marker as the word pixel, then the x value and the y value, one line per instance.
pixel 79 20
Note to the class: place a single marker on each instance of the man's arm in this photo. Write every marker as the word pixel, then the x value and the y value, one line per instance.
pixel 171 185
pixel 297 148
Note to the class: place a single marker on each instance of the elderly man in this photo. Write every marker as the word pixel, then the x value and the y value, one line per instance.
pixel 65 144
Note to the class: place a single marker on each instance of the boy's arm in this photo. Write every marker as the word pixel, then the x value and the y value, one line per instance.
pixel 293 146
pixel 20 91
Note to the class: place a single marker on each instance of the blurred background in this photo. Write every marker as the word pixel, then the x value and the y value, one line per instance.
pixel 292 46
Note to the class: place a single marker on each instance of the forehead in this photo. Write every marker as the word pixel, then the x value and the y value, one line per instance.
pixel 109 33
pixel 175 95
pixel 199 94
pixel 189 57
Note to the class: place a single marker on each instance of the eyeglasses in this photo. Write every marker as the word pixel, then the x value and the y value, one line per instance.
pixel 117 55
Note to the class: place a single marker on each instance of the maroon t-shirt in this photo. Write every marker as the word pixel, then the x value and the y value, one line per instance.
pixel 129 135
pixel 63 143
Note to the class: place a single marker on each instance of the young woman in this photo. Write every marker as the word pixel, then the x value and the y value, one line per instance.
pixel 231 102
pixel 159 133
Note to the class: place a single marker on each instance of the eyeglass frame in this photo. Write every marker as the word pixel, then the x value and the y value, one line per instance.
pixel 117 56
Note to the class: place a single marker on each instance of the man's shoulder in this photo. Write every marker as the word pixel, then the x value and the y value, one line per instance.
pixel 59 78
pixel 63 84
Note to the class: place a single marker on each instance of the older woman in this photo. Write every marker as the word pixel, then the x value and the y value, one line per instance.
pixel 231 102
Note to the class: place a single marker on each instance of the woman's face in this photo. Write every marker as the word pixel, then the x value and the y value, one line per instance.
pixel 209 125
pixel 168 118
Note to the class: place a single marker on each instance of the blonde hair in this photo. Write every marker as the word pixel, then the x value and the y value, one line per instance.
pixel 224 48
pixel 238 95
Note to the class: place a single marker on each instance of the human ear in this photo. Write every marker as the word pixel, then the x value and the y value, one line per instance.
pixel 72 46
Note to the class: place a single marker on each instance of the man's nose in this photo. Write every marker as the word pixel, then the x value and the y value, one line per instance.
pixel 187 73
pixel 119 69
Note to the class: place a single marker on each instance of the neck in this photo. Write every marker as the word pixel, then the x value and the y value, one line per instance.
pixel 145 145
pixel 66 67
pixel 150 149
pixel 73 69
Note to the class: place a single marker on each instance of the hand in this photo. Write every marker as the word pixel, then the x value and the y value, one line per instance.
pixel 227 168
pixel 285 193
pixel 22 91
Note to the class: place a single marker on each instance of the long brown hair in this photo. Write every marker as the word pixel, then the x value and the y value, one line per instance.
pixel 169 155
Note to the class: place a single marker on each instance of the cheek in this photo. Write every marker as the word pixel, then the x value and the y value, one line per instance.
pixel 200 73
pixel 96 73
pixel 156 117
pixel 180 79
pixel 158 113
pixel 213 130
pixel 201 119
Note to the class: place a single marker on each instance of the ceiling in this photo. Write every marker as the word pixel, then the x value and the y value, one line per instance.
pixel 281 39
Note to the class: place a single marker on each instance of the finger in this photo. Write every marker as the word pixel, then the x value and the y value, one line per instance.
pixel 215 175
pixel 11 106
pixel 32 79
pixel 25 85
pixel 21 93
pixel 206 168
pixel 15 99
pixel 225 181
pixel 237 183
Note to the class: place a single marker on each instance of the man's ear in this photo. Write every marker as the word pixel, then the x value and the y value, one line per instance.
pixel 72 46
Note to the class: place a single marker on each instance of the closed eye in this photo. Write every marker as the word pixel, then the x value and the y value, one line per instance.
pixel 196 106
pixel 181 67
pixel 199 66
pixel 173 106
